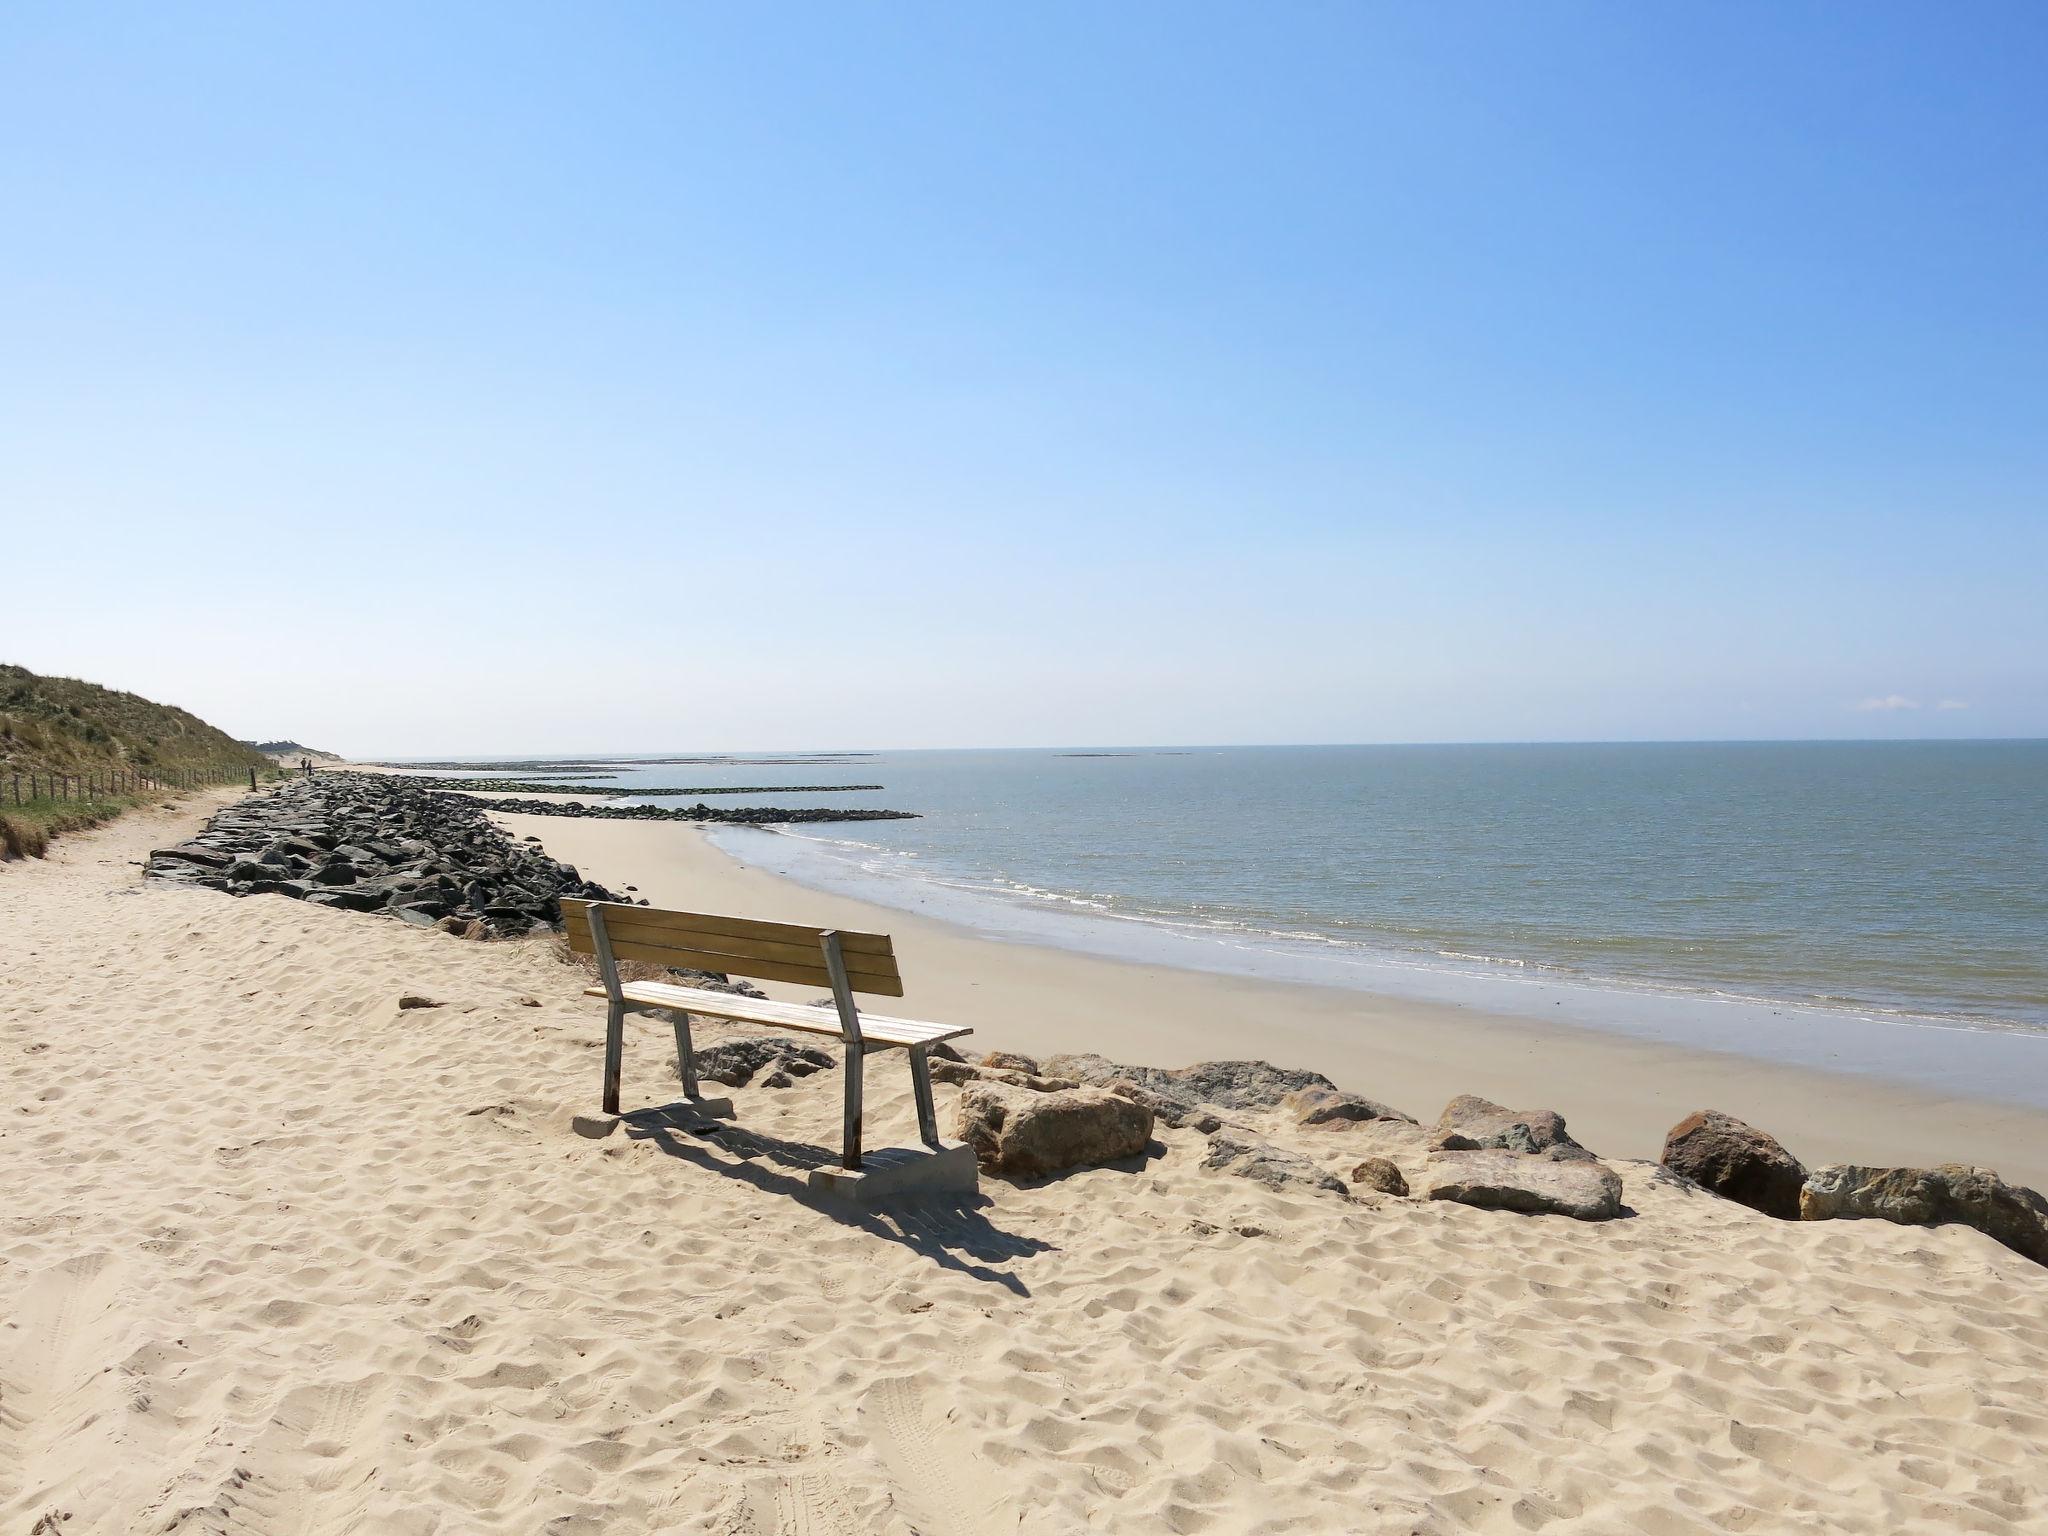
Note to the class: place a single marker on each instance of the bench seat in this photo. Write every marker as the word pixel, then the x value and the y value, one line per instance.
pixel 875 1029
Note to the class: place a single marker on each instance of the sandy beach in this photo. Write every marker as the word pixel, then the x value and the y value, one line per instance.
pixel 1620 1095
pixel 285 1252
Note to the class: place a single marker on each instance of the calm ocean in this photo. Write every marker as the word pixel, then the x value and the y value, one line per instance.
pixel 1736 891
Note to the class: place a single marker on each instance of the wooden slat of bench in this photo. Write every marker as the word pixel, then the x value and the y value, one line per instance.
pixel 624 925
pixel 704 925
pixel 760 958
pixel 875 1028
pixel 760 970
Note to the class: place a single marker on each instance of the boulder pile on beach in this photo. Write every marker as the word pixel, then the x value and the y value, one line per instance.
pixel 371 843
pixel 1029 1119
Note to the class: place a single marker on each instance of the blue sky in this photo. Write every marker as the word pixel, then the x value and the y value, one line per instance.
pixel 478 378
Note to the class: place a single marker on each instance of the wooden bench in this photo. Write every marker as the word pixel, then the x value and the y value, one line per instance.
pixel 737 946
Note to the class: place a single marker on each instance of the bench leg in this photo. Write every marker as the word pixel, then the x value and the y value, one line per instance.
pixel 614 1054
pixel 856 1061
pixel 686 1058
pixel 921 1086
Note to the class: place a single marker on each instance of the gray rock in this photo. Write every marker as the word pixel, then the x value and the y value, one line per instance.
pixel 1027 1135
pixel 1172 1112
pixel 346 899
pixel 714 981
pixel 1269 1165
pixel 195 853
pixel 1010 1061
pixel 1086 1067
pixel 970 1072
pixel 734 1063
pixel 1378 1173
pixel 1231 1084
pixel 1515 1181
pixel 1472 1124
pixel 1737 1162
pixel 1927 1197
pixel 1332 1109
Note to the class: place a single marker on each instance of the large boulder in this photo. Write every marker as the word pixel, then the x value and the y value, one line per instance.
pixel 194 853
pixel 1333 1110
pixel 1737 1162
pixel 1174 1113
pixel 1024 1134
pixel 944 1071
pixel 1515 1181
pixel 1472 1124
pixel 733 1063
pixel 1379 1174
pixel 1269 1165
pixel 346 899
pixel 1929 1197
pixel 1231 1084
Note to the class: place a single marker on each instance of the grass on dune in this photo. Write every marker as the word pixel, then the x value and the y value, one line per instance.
pixel 92 736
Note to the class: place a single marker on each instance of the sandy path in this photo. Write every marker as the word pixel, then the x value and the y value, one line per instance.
pixel 278 1256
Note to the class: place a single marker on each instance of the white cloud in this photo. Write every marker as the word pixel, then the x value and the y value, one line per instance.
pixel 1890 701
pixel 1953 704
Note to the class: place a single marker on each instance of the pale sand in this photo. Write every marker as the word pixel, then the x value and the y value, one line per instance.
pixel 278 1257
pixel 1620 1095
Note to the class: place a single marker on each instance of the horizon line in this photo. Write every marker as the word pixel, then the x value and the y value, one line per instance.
pixel 1234 746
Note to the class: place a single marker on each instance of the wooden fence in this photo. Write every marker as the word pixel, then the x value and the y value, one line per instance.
pixel 118 781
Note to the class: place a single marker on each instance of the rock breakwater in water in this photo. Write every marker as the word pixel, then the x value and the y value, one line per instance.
pixel 544 786
pixel 368 843
pixel 742 816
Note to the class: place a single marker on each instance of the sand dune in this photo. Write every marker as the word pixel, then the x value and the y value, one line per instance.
pixel 278 1255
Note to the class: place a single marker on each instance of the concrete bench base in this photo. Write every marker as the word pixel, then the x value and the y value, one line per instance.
pixel 902 1172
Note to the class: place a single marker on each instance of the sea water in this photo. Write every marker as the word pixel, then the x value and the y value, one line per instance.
pixel 1859 905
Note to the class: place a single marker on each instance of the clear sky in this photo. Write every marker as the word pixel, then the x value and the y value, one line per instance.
pixel 434 378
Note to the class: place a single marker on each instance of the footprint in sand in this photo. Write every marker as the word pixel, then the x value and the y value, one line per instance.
pixel 940 1489
pixel 56 1387
pixel 310 1471
pixel 799 1504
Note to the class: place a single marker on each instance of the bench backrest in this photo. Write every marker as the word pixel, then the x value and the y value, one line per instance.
pixel 737 946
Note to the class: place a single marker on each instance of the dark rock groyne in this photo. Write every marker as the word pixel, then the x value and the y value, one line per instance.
pixel 543 787
pixel 549 766
pixel 370 843
pixel 747 816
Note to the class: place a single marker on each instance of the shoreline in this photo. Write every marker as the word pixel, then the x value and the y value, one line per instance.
pixel 1977 1059
pixel 1620 1093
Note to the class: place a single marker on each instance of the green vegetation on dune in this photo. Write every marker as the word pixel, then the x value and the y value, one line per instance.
pixel 74 754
